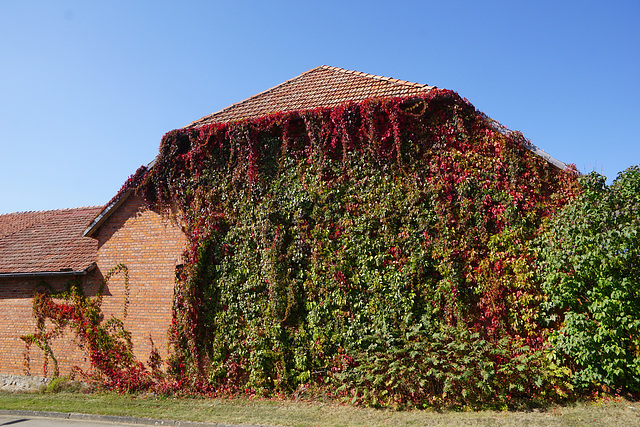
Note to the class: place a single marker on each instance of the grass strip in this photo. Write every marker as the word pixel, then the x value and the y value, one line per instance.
pixel 313 413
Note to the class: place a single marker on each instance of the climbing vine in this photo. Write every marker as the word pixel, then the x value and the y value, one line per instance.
pixel 400 252
pixel 107 343
pixel 378 250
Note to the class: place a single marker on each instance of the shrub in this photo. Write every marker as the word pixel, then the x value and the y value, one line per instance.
pixel 590 265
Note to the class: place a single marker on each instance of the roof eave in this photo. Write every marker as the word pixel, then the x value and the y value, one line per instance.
pixel 546 156
pixel 105 214
pixel 499 127
pixel 109 209
pixel 84 272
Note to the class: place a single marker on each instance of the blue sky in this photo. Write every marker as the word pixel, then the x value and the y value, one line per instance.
pixel 88 88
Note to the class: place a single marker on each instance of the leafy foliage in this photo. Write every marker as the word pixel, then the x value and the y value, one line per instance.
pixel 591 272
pixel 381 250
pixel 107 342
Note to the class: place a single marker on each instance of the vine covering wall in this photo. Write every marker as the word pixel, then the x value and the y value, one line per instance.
pixel 379 251
pixel 107 343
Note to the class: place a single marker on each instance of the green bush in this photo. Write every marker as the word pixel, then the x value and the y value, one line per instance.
pixel 64 385
pixel 590 265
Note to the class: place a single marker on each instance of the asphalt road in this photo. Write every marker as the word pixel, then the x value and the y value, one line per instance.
pixel 59 419
pixel 26 421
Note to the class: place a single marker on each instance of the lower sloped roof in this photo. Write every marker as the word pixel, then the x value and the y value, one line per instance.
pixel 47 242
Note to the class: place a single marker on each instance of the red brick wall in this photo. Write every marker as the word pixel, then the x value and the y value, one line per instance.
pixel 149 246
pixel 16 320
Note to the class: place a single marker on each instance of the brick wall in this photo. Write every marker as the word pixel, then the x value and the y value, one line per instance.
pixel 149 246
pixel 16 319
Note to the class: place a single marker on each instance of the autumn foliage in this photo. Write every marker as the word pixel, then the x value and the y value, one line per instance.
pixel 393 252
pixel 381 251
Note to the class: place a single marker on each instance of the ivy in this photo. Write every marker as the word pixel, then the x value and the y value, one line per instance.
pixel 381 251
pixel 107 342
pixel 394 252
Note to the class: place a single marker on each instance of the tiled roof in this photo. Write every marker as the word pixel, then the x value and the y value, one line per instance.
pixel 326 86
pixel 322 86
pixel 47 241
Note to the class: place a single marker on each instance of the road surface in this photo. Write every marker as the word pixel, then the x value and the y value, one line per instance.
pixel 58 419
pixel 30 421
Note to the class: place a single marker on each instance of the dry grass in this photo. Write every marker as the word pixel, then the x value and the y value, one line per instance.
pixel 300 413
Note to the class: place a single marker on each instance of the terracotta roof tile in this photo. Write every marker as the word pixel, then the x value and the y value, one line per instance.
pixel 322 86
pixel 326 86
pixel 47 241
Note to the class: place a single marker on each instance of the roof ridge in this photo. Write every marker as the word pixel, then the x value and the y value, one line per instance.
pixel 374 76
pixel 295 79
pixel 52 210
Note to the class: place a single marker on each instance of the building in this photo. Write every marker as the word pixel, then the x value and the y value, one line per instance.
pixel 88 243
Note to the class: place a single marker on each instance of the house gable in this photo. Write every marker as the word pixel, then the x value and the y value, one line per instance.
pixel 326 86
pixel 320 87
pixel 126 232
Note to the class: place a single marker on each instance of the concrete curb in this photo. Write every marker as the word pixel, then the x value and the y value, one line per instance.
pixel 116 419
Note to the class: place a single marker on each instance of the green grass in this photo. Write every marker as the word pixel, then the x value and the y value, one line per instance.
pixel 302 413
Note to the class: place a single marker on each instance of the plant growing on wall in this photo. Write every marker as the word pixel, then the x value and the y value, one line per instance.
pixel 380 251
pixel 107 343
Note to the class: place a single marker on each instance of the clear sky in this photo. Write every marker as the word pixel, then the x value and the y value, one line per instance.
pixel 88 88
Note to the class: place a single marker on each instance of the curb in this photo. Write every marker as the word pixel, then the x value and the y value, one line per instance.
pixel 117 419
